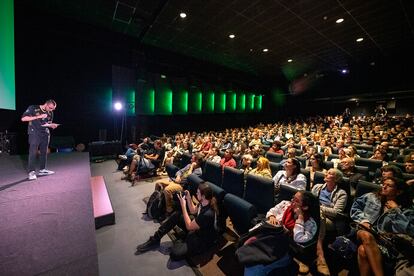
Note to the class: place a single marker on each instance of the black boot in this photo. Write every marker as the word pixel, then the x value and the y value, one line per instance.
pixel 152 243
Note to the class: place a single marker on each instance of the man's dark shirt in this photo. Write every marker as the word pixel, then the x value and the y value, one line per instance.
pixel 35 126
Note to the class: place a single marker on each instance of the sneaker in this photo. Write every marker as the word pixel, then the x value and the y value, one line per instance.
pixel 32 175
pixel 152 243
pixel 123 157
pixel 45 172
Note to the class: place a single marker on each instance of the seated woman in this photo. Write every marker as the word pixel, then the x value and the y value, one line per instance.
pixel 332 202
pixel 296 219
pixel 385 210
pixel 262 168
pixel 316 165
pixel 291 176
pixel 200 225
pixel 246 164
pixel 276 148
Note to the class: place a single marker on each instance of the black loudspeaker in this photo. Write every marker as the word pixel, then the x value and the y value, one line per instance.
pixel 107 149
pixel 102 135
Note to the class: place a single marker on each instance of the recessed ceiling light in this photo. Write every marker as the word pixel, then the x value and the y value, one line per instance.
pixel 340 20
pixel 232 36
pixel 359 39
pixel 290 60
pixel 265 50
pixel 251 50
pixel 183 15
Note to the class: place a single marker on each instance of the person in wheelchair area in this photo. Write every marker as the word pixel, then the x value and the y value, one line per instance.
pixel 387 211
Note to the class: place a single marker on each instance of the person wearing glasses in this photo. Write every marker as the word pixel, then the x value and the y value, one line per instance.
pixel 40 119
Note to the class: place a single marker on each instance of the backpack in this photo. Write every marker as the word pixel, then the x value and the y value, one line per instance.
pixel 156 205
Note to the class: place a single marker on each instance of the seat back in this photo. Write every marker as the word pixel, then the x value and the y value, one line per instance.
pixel 218 192
pixel 260 192
pixel 240 212
pixel 233 181
pixel 285 193
pixel 306 173
pixel 302 161
pixel 274 157
pixel 185 159
pixel 333 156
pixel 318 178
pixel 362 170
pixel 364 187
pixel 372 164
pixel 213 173
pixel 192 183
pixel 328 164
pixel 275 167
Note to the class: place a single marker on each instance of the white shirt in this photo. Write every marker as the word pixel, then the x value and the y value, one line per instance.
pixel 298 183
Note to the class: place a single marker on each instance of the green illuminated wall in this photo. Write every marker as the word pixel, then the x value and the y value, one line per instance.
pixel 208 101
pixel 220 102
pixel 230 101
pixel 130 103
pixel 7 77
pixel 258 103
pixel 195 100
pixel 241 102
pixel 249 102
pixel 145 98
pixel 163 97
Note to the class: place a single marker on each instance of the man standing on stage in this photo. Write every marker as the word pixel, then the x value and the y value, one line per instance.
pixel 40 119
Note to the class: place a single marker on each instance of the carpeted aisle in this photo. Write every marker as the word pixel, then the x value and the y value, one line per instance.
pixel 116 243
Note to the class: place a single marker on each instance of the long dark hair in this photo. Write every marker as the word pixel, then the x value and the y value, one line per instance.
pixel 207 192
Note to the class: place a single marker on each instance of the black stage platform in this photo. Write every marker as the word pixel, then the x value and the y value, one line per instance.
pixel 47 225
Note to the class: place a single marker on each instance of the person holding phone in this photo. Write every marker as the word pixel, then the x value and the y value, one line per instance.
pixel 39 118
pixel 198 221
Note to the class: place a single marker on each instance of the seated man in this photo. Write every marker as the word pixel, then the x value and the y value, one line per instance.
pixel 347 167
pixel 174 185
pixel 228 160
pixel 146 161
pixel 201 230
pixel 126 159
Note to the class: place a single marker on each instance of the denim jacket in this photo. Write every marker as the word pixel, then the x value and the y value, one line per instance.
pixel 366 208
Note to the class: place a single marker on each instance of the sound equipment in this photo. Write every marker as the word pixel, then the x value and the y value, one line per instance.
pixel 104 149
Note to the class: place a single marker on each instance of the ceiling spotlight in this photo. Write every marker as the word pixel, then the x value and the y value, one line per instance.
pixel 344 71
pixel 265 50
pixel 232 36
pixel 372 63
pixel 251 50
pixel 290 60
pixel 340 20
pixel 359 39
pixel 163 76
pixel 183 15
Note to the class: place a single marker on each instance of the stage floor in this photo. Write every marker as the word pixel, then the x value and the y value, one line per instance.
pixel 47 225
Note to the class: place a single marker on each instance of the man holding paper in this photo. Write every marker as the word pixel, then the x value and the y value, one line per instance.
pixel 40 119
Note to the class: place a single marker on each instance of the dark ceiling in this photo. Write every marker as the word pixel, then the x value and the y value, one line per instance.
pixel 302 30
